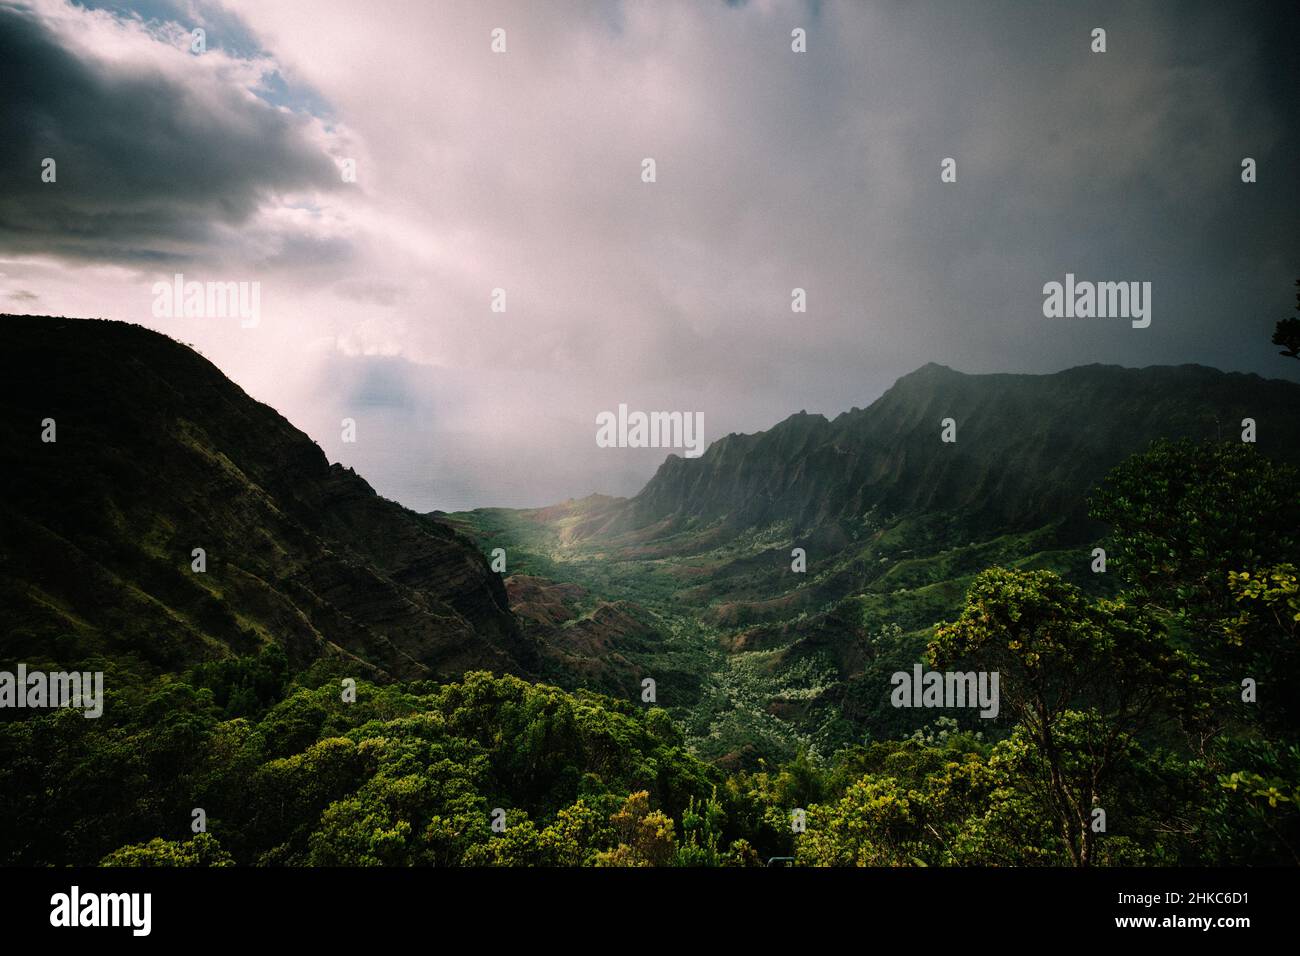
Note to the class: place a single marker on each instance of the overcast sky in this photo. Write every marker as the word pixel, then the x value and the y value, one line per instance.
pixel 523 171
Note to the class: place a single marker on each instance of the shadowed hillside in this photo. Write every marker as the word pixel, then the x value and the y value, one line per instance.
pixel 158 453
pixel 1028 448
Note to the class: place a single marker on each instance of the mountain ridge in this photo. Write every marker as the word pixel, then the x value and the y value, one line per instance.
pixel 158 453
pixel 895 442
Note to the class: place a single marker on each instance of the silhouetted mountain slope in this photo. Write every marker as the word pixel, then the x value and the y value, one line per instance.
pixel 157 454
pixel 1028 448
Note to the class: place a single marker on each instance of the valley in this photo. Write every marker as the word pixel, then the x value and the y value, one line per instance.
pixel 757 661
pixel 687 664
pixel 762 652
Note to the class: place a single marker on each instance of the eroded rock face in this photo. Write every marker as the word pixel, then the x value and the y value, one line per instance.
pixel 157 454
pixel 1027 449
pixel 544 602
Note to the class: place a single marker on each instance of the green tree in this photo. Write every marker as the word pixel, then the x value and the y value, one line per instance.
pixel 202 850
pixel 577 833
pixel 644 836
pixel 1083 680
pixel 1183 514
pixel 702 824
pixel 875 824
pixel 1287 332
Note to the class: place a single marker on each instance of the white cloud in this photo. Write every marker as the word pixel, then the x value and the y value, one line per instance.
pixel 775 169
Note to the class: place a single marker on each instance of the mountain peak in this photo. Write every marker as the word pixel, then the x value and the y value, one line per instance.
pixel 933 368
pixel 1030 447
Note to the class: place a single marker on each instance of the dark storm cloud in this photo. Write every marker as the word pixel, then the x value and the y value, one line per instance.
pixel 818 170
pixel 151 160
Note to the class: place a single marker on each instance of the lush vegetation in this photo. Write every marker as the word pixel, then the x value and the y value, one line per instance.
pixel 1150 722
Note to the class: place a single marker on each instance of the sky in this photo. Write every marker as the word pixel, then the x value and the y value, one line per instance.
pixel 522 171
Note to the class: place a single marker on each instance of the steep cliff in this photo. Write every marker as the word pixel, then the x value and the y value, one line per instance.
pixel 156 454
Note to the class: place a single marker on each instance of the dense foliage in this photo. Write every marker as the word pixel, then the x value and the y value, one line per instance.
pixel 1127 736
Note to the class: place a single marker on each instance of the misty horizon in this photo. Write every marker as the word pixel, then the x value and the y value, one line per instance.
pixel 466 259
pixel 655 458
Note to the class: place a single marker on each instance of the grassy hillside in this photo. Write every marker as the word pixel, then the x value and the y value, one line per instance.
pixel 156 454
